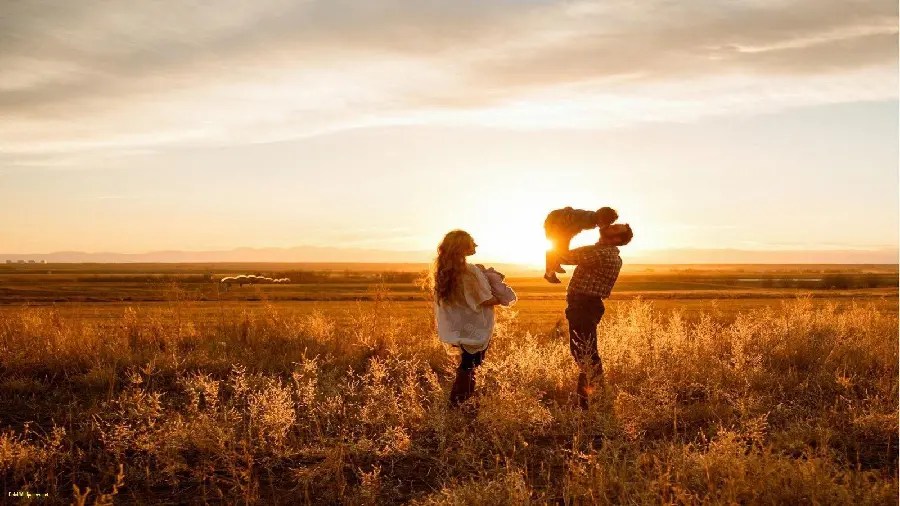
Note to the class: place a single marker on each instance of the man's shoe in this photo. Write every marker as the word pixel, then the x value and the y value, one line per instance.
pixel 583 391
pixel 551 277
pixel 589 389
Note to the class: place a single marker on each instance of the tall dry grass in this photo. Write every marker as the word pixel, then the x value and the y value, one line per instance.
pixel 782 406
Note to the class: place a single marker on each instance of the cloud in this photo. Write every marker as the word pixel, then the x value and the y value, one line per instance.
pixel 91 76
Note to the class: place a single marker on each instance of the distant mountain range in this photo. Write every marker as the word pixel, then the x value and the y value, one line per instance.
pixel 281 255
pixel 310 254
pixel 736 256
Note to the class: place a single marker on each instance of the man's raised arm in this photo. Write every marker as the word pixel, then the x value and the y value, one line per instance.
pixel 585 255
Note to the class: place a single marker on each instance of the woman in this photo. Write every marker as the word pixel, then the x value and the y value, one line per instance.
pixel 463 307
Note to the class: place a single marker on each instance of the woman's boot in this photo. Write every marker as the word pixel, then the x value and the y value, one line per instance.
pixel 463 387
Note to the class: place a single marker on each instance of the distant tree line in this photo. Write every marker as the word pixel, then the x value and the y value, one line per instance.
pixel 348 276
pixel 296 277
pixel 834 281
pixel 145 278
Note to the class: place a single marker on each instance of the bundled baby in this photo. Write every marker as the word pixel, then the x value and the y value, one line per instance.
pixel 503 292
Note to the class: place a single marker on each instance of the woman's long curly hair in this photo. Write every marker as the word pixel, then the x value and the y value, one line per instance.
pixel 450 265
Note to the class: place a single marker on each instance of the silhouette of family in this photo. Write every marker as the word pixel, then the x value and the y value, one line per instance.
pixel 465 294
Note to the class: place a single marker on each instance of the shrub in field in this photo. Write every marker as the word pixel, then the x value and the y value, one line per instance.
pixel 792 404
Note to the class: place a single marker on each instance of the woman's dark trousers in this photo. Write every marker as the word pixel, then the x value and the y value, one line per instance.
pixel 464 384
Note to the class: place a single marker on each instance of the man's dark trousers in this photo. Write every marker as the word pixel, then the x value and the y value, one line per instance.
pixel 584 313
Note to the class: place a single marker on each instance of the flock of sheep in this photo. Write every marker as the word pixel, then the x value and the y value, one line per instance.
pixel 250 279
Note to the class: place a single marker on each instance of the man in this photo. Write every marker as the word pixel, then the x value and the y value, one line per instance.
pixel 596 271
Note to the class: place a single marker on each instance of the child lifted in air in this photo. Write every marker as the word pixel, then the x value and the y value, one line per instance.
pixel 562 225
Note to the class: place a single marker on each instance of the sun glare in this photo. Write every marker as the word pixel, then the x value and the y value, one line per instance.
pixel 513 243
pixel 521 239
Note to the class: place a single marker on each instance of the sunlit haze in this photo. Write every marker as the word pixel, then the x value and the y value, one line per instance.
pixel 149 125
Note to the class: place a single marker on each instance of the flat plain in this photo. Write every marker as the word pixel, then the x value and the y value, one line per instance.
pixel 724 384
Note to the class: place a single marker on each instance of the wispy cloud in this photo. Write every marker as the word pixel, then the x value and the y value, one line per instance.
pixel 91 76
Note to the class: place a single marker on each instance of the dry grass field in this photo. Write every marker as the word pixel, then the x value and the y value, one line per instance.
pixel 155 385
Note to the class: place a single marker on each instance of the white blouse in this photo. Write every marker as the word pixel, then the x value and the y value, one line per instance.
pixel 467 323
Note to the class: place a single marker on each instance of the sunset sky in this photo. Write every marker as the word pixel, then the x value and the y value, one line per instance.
pixel 152 124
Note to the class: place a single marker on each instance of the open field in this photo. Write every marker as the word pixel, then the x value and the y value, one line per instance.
pixel 172 390
pixel 96 291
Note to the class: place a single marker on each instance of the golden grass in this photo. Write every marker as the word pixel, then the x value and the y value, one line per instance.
pixel 796 404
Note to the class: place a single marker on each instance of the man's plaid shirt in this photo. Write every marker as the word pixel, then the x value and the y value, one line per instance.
pixel 596 271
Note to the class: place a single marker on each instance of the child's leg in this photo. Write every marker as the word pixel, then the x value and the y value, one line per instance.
pixel 552 265
pixel 558 246
pixel 550 233
pixel 561 246
pixel 550 259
